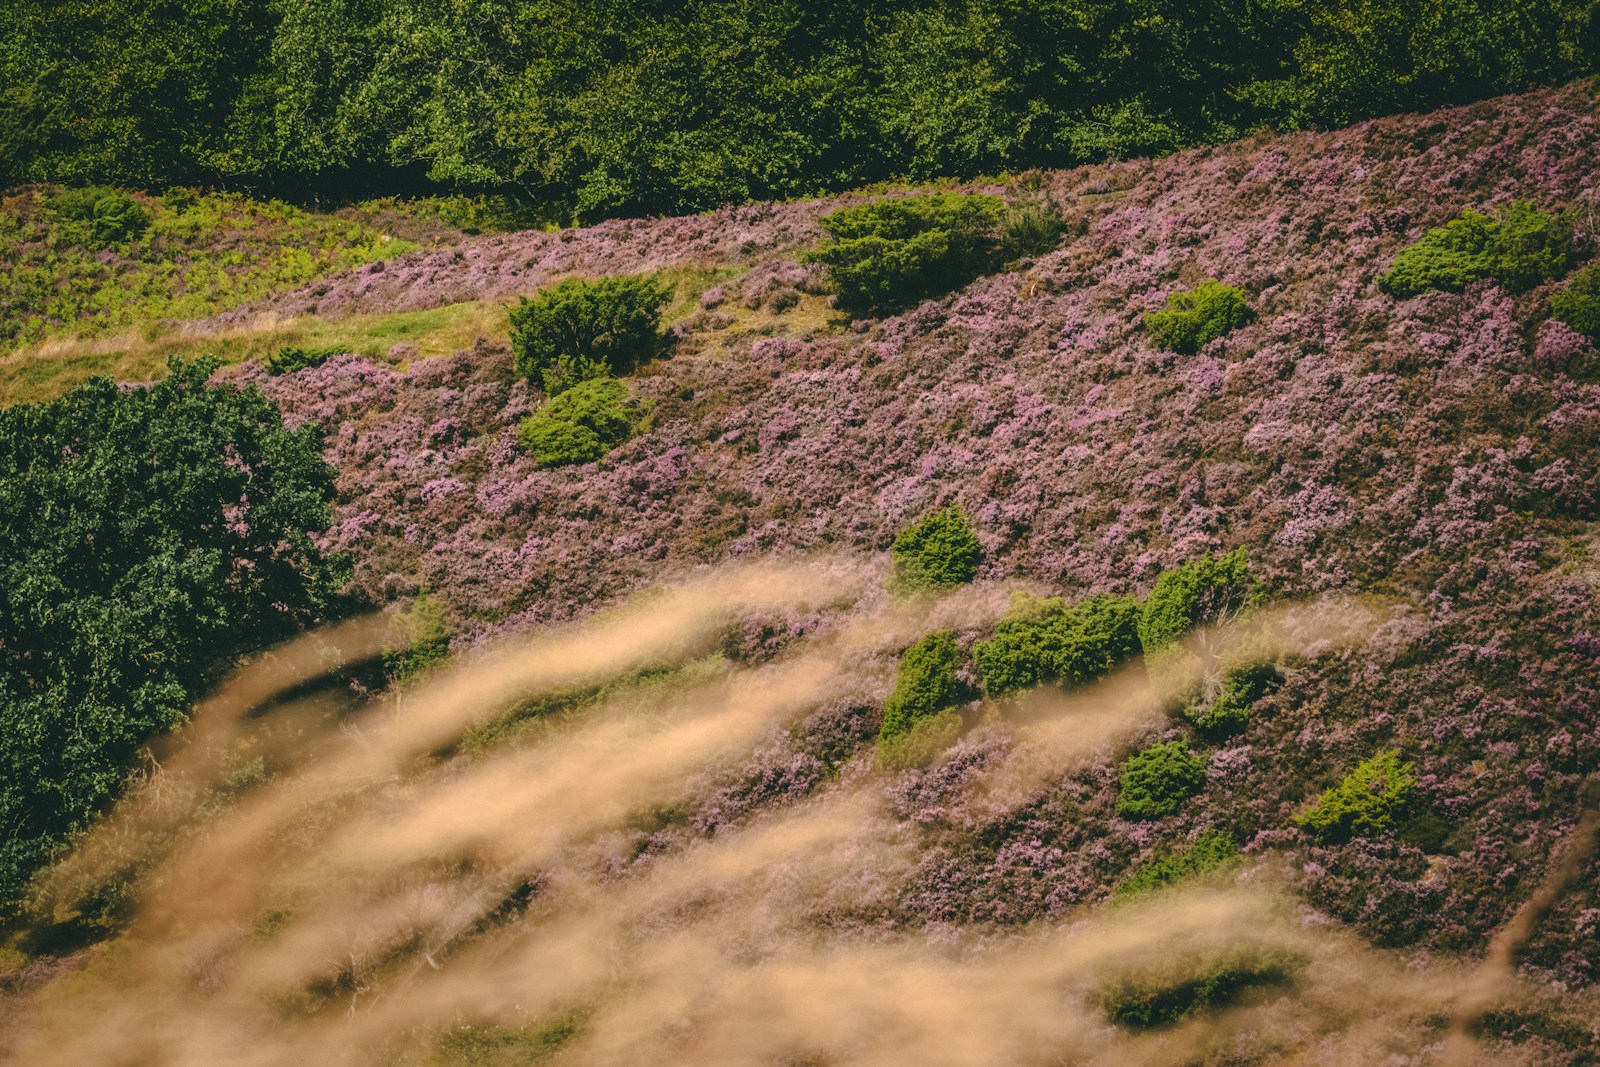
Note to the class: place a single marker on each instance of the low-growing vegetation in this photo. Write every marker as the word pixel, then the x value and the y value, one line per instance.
pixel 583 329
pixel 1366 801
pixel 939 551
pixel 1519 247
pixel 1211 851
pixel 1203 592
pixel 581 424
pixel 925 686
pixel 1578 302
pixel 1044 641
pixel 1227 712
pixel 1154 783
pixel 1178 989
pixel 1193 318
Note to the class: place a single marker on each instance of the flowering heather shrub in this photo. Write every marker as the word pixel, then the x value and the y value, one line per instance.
pixel 1050 642
pixel 925 686
pixel 1366 801
pixel 582 329
pixel 1179 988
pixel 896 251
pixel 1211 851
pixel 1578 302
pixel 937 552
pixel 581 424
pixel 1202 592
pixel 1193 318
pixel 1520 247
pixel 1155 782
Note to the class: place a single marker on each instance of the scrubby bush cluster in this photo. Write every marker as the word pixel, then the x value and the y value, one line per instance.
pixel 1179 988
pixel 1518 247
pixel 583 329
pixel 939 551
pixel 290 358
pixel 1154 782
pixel 925 685
pixel 146 535
pixel 581 424
pixel 1211 851
pixel 1227 711
pixel 1193 318
pixel 893 252
pixel 1578 302
pixel 1047 641
pixel 1204 591
pixel 1365 801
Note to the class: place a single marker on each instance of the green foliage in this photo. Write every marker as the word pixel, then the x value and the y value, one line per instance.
pixel 288 359
pixel 925 685
pixel 896 251
pixel 1519 247
pixel 581 424
pixel 582 329
pixel 1211 851
pixel 609 108
pixel 1192 318
pixel 1366 801
pixel 426 639
pixel 146 536
pixel 1202 592
pixel 1578 302
pixel 922 743
pixel 498 1046
pixel 1228 712
pixel 939 551
pixel 85 261
pixel 1179 988
pixel 1031 227
pixel 1050 642
pixel 1155 782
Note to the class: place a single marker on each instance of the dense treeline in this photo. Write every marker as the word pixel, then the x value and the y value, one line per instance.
pixel 605 106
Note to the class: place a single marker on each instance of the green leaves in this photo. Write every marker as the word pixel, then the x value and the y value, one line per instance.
pixel 1366 801
pixel 1155 782
pixel 1202 592
pixel 1191 319
pixel 925 686
pixel 893 252
pixel 1519 247
pixel 580 329
pixel 1070 645
pixel 938 552
pixel 146 535
pixel 580 425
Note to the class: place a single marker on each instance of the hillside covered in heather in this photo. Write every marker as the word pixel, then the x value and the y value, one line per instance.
pixel 1437 451
pixel 1432 457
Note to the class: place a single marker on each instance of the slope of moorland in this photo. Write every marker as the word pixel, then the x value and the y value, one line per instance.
pixel 1434 455
pixel 1437 451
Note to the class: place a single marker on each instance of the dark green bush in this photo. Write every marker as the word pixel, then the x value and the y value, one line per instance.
pixel 1155 782
pixel 1520 246
pixel 925 685
pixel 117 217
pixel 1229 711
pixel 146 537
pixel 1192 318
pixel 938 552
pixel 581 424
pixel 1202 592
pixel 894 252
pixel 581 330
pixel 1366 801
pixel 1179 988
pixel 1578 302
pixel 1211 851
pixel 1031 227
pixel 289 359
pixel 1049 642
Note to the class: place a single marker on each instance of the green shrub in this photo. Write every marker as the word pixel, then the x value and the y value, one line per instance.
pixel 288 359
pixel 1049 642
pixel 1155 782
pixel 1366 801
pixel 920 745
pixel 426 639
pixel 1211 851
pixel 926 684
pixel 118 217
pixel 1031 227
pixel 939 551
pixel 1181 987
pixel 1202 592
pixel 894 252
pixel 1229 711
pixel 1578 302
pixel 1192 318
pixel 581 329
pixel 581 424
pixel 147 536
pixel 1519 247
